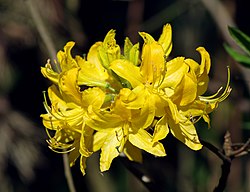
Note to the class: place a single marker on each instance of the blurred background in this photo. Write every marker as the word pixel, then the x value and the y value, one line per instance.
pixel 26 163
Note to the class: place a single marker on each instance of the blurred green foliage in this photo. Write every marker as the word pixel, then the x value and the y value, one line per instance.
pixel 243 41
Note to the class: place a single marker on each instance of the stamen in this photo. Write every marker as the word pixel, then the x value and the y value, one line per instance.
pixel 45 103
pixel 192 118
pixel 58 146
pixel 64 151
pixel 224 95
pixel 214 95
pixel 47 131
pixel 58 66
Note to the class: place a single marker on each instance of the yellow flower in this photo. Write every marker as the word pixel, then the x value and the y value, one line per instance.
pixel 184 88
pixel 147 77
pixel 91 71
pixel 120 129
pixel 64 63
pixel 185 79
pixel 126 102
pixel 152 69
pixel 66 116
pixel 169 87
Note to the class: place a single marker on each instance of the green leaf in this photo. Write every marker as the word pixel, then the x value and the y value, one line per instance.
pixel 243 59
pixel 242 39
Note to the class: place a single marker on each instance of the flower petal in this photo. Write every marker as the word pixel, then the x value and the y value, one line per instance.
pixel 68 84
pixel 128 71
pixel 84 141
pixel 186 133
pixel 101 120
pixel 132 152
pixel 109 50
pixel 61 112
pixel 133 99
pixel 65 59
pixel 93 96
pixel 83 164
pixel 90 74
pixel 201 70
pixel 98 140
pixel 49 73
pixel 73 156
pixel 143 140
pixel 93 57
pixel 110 148
pixel 161 129
pixel 176 69
pixel 153 63
pixel 186 91
pixel 205 60
pixel 166 39
pixel 146 116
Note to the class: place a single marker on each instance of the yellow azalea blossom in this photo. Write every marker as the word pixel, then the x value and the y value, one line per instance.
pixel 149 80
pixel 91 71
pixel 66 116
pixel 119 127
pixel 123 102
pixel 152 69
pixel 168 86
pixel 64 62
pixel 149 75
pixel 195 106
pixel 185 79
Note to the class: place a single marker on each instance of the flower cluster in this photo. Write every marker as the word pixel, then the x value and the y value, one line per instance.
pixel 126 101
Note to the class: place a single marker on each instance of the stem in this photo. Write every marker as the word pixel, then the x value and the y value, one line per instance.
pixel 215 150
pixel 52 51
pixel 68 174
pixel 41 29
pixel 225 167
pixel 225 170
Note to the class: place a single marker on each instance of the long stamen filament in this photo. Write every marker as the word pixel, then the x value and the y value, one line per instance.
pixel 224 95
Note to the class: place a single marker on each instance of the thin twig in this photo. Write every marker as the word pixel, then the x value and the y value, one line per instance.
pixel 225 170
pixel 52 51
pixel 243 150
pixel 225 167
pixel 41 29
pixel 68 174
pixel 215 150
pixel 227 155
